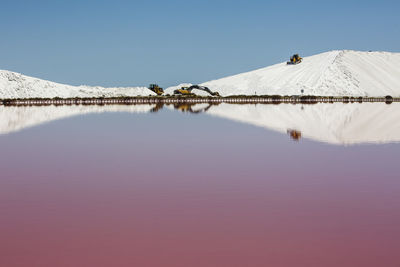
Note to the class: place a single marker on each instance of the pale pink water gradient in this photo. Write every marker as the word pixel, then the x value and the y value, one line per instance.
pixel 178 190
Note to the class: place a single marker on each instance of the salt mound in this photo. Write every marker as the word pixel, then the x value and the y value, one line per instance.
pixel 14 85
pixel 335 73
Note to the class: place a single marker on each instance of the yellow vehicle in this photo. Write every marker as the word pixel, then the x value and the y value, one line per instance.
pixel 188 90
pixel 183 91
pixel 295 59
pixel 156 89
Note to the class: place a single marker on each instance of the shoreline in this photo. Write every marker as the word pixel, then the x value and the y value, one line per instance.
pixel 275 99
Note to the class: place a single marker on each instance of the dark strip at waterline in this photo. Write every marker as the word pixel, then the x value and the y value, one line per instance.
pixel 194 99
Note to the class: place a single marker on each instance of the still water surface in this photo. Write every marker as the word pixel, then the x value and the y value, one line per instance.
pixel 283 185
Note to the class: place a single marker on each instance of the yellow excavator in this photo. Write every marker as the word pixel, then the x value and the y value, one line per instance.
pixel 156 89
pixel 295 59
pixel 188 90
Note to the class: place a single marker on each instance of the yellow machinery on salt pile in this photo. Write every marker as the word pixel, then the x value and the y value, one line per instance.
pixel 295 59
pixel 188 90
pixel 156 89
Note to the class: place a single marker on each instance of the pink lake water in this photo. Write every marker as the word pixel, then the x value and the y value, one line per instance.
pixel 175 189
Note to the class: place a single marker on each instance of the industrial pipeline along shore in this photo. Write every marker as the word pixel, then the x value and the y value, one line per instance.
pixel 335 76
pixel 196 100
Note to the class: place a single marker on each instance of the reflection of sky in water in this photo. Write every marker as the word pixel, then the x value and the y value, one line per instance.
pixel 173 189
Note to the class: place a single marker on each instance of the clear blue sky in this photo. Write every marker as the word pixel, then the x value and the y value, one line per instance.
pixel 127 43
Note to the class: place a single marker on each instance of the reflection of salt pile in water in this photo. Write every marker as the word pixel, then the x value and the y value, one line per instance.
pixel 17 118
pixel 332 123
pixel 335 73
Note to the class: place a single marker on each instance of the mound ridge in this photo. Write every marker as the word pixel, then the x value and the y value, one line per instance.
pixel 334 73
pixel 15 85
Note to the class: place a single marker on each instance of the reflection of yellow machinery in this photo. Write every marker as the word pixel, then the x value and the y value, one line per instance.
pixel 188 90
pixel 295 59
pixel 188 107
pixel 158 107
pixel 156 89
pixel 294 134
